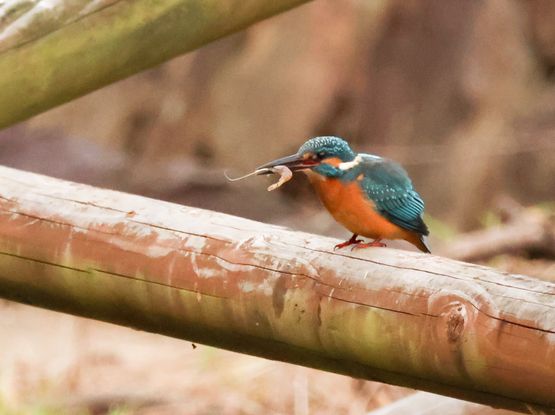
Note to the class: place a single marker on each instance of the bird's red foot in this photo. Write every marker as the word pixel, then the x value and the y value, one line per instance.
pixel 352 241
pixel 376 242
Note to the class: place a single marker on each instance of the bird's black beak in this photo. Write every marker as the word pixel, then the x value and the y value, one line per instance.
pixel 294 163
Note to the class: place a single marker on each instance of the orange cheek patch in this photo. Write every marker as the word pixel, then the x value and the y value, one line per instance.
pixel 360 177
pixel 333 161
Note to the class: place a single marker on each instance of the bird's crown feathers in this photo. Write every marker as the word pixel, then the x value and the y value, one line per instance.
pixel 327 147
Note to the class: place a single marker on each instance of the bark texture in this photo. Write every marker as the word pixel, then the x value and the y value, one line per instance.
pixel 398 317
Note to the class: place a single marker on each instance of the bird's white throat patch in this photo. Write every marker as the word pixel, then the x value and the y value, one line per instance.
pixel 350 164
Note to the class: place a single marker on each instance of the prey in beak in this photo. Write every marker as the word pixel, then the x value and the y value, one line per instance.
pixel 284 167
pixel 294 163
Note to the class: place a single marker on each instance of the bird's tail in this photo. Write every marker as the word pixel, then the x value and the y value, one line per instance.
pixel 418 241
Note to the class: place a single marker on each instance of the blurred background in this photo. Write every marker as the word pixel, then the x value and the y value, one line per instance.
pixel 462 94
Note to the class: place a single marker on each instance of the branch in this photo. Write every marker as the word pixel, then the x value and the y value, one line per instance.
pixel 398 317
pixel 529 230
pixel 52 51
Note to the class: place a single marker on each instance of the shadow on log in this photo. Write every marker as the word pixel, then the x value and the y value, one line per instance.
pixel 398 317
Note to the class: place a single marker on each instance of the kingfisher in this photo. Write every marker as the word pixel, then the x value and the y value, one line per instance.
pixel 369 195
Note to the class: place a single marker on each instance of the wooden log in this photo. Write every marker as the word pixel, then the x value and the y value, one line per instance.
pixel 398 317
pixel 52 51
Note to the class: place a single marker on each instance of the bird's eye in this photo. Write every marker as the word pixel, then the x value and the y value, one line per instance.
pixel 320 155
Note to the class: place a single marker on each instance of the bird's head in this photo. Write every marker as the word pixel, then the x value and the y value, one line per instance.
pixel 328 156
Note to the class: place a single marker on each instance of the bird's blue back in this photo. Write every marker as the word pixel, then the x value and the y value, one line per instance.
pixel 389 187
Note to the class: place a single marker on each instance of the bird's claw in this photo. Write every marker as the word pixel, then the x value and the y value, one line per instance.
pixel 352 241
pixel 367 245
pixel 344 244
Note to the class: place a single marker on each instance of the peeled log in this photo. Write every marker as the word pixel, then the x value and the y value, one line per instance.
pixel 52 51
pixel 398 317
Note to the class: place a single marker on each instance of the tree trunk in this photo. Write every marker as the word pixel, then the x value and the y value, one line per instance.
pixel 398 317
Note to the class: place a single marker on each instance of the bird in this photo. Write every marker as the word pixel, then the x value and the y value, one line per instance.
pixel 371 196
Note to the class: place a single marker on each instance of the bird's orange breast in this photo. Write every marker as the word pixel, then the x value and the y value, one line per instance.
pixel 349 207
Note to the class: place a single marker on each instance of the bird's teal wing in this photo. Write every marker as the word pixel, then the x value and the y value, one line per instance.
pixel 389 187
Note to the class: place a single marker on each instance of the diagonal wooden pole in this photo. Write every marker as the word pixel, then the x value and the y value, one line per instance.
pixel 393 316
pixel 52 51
